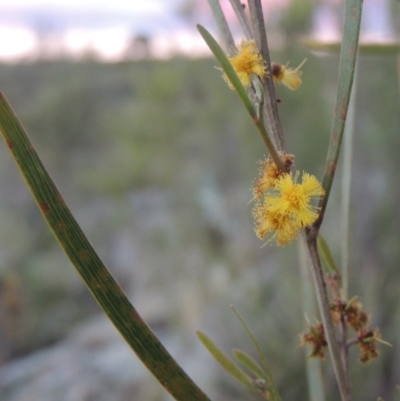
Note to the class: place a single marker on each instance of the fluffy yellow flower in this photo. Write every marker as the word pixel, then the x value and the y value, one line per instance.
pixel 291 198
pixel 287 76
pixel 246 62
pixel 283 228
pixel 269 173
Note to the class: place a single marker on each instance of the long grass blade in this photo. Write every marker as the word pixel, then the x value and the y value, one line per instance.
pixel 107 292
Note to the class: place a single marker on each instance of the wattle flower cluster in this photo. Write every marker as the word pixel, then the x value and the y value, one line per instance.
pixel 283 206
pixel 247 61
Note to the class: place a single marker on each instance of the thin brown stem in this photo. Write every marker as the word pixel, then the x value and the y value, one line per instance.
pixel 270 104
pixel 343 341
pixel 334 284
pixel 330 333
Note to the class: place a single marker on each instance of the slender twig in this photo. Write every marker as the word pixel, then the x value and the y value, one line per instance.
pixel 270 103
pixel 241 16
pixel 343 338
pixel 335 282
pixel 348 56
pixel 223 26
pixel 330 333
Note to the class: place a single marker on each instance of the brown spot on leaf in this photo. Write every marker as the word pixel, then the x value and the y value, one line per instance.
pixel 95 283
pixel 84 254
pixel 44 207
pixel 9 144
pixel 332 169
pixel 343 113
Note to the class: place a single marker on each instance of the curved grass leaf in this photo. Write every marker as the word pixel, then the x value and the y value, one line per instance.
pixel 224 361
pixel 94 273
pixel 228 69
pixel 249 363
pixel 274 396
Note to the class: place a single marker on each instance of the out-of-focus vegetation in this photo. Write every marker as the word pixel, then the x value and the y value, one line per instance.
pixel 156 160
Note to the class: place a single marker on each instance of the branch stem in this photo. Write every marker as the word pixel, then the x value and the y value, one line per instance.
pixel 270 104
pixel 330 333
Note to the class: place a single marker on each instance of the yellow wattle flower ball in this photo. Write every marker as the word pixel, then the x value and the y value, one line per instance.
pixel 247 61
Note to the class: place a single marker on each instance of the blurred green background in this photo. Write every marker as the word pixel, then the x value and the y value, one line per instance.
pixel 156 160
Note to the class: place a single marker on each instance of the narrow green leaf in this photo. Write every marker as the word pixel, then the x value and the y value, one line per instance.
pixel 107 292
pixel 348 56
pixel 271 383
pixel 228 69
pixel 222 25
pixel 249 363
pixel 326 254
pixel 224 361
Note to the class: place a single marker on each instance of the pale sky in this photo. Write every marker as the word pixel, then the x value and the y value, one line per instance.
pixel 138 5
pixel 102 26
